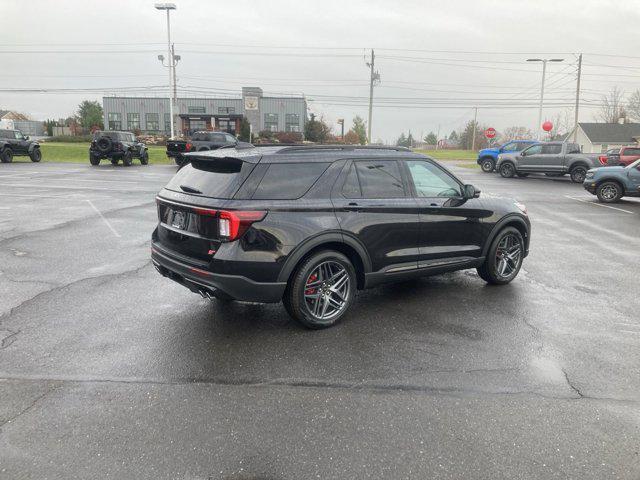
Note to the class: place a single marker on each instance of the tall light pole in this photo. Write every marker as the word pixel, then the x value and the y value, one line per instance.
pixel 168 7
pixel 374 76
pixel 544 71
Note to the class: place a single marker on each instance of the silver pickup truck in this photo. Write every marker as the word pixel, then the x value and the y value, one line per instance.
pixel 551 158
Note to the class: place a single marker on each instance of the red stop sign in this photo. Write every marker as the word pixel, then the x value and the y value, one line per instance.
pixel 490 132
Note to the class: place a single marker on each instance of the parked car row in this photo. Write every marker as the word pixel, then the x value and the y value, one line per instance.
pixel 200 142
pixel 609 176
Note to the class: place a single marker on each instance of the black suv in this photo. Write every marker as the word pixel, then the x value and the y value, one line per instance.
pixel 117 146
pixel 13 142
pixel 200 142
pixel 311 225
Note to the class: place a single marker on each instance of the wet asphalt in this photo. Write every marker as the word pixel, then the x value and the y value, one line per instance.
pixel 108 370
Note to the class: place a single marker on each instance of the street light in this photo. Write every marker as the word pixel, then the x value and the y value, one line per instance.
pixel 172 63
pixel 544 71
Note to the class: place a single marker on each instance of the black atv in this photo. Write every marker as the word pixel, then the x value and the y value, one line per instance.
pixel 14 143
pixel 117 146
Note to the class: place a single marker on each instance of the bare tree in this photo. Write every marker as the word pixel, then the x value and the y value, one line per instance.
pixel 612 108
pixel 516 133
pixel 562 124
pixel 633 105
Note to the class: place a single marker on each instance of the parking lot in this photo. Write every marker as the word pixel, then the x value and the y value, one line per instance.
pixel 109 370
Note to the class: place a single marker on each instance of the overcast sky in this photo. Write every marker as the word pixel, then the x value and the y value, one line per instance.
pixel 318 48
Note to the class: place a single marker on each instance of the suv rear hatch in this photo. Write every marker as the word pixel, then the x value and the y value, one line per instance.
pixel 191 208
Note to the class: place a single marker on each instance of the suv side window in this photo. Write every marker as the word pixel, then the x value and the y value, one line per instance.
pixel 521 146
pixel 6 134
pixel 351 187
pixel 229 138
pixel 288 181
pixel 380 179
pixel 198 137
pixel 511 146
pixel 551 149
pixel 18 135
pixel 431 181
pixel 632 151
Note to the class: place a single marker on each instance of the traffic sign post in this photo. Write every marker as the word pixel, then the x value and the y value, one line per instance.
pixel 490 133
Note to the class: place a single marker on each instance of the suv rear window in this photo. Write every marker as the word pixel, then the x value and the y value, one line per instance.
pixel 216 178
pixel 288 181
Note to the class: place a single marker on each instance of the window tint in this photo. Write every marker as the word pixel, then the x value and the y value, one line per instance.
pixel 551 149
pixel 229 138
pixel 380 179
pixel 216 178
pixel 216 137
pixel 573 148
pixel 518 147
pixel 510 146
pixel 6 134
pixel 18 135
pixel 288 181
pixel 432 181
pixel 533 150
pixel 199 136
pixel 632 151
pixel 351 187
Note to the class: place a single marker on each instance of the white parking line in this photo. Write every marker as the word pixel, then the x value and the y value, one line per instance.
pixel 103 218
pixel 598 204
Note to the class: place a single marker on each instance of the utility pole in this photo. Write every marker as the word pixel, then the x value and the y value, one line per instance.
pixel 575 127
pixel 373 77
pixel 168 7
pixel 438 137
pixel 475 127
pixel 544 71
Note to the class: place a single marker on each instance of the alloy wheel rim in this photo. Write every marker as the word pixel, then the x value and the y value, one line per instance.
pixel 580 174
pixel 507 169
pixel 487 165
pixel 508 255
pixel 327 290
pixel 609 192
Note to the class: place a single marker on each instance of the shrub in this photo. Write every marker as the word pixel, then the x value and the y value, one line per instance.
pixel 289 137
pixel 70 138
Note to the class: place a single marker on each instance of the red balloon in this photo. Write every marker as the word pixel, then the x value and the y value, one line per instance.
pixel 547 126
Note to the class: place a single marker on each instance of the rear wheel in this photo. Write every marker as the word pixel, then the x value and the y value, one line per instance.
pixel 321 290
pixel 7 156
pixel 609 192
pixel 504 258
pixel 578 174
pixel 144 158
pixel 507 170
pixel 127 159
pixel 36 155
pixel 487 165
pixel 93 160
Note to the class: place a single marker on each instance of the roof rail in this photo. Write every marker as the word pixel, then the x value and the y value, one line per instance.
pixel 343 148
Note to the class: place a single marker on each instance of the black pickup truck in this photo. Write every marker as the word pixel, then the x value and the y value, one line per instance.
pixel 199 141
pixel 13 143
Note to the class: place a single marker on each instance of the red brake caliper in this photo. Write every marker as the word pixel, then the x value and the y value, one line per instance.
pixel 311 291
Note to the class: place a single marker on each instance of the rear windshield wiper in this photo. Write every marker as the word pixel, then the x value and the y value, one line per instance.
pixel 186 188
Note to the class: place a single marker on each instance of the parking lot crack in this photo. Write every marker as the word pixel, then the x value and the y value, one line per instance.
pixel 572 386
pixel 31 405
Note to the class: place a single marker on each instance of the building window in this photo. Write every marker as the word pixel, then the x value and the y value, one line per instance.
pixel 196 109
pixel 115 121
pixel 153 122
pixel 271 122
pixel 226 110
pixel 292 122
pixel 133 121
pixel 167 122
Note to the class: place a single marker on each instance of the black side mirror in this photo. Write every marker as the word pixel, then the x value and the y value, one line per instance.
pixel 471 192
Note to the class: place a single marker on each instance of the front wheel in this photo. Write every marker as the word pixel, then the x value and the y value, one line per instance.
pixel 36 155
pixel 487 165
pixel 609 192
pixel 144 158
pixel 127 159
pixel 321 290
pixel 507 170
pixel 578 174
pixel 7 156
pixel 504 258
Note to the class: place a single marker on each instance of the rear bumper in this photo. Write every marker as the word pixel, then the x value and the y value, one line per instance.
pixel 205 282
pixel 174 154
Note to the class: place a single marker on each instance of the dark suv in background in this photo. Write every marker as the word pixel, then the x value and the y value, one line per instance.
pixel 14 143
pixel 115 146
pixel 311 225
pixel 199 142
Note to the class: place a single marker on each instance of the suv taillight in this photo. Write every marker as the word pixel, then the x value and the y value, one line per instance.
pixel 602 159
pixel 232 224
pixel 188 147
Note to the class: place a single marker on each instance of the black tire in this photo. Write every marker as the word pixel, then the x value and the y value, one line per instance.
pixel 522 175
pixel 489 271
pixel 609 192
pixel 93 160
pixel 36 155
pixel 127 159
pixel 7 156
pixel 578 173
pixel 144 158
pixel 298 295
pixel 487 164
pixel 114 161
pixel 104 144
pixel 507 170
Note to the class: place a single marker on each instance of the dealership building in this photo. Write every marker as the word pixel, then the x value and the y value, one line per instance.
pixel 151 115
